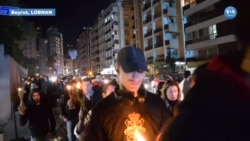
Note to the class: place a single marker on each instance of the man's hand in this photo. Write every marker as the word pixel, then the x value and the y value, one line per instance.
pixel 71 104
pixel 51 135
pixel 22 109
pixel 65 119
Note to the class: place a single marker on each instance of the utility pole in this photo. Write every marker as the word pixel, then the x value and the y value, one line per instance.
pixel 180 25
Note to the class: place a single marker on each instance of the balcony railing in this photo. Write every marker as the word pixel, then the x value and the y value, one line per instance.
pixel 195 19
pixel 159 44
pixel 146 6
pixel 203 38
pixel 157 30
pixel 148 48
pixel 109 58
pixel 148 34
pixel 148 19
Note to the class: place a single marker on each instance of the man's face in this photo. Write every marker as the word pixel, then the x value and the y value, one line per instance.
pixel 132 80
pixel 86 87
pixel 36 97
pixel 108 91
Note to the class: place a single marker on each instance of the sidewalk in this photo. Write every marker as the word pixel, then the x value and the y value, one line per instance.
pixel 9 130
pixel 23 131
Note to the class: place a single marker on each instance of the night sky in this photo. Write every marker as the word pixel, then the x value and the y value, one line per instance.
pixel 71 15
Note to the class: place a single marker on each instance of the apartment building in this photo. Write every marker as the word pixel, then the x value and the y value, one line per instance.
pixel 94 49
pixel 29 47
pixel 115 30
pixel 55 49
pixel 162 35
pixel 208 31
pixel 83 48
pixel 155 26
pixel 43 57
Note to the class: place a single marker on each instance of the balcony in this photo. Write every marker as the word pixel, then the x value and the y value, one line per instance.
pixel 107 31
pixel 170 11
pixel 116 47
pixel 148 34
pixel 146 6
pixel 107 22
pixel 116 37
pixel 172 27
pixel 148 19
pixel 167 42
pixel 192 4
pixel 115 9
pixel 201 17
pixel 109 58
pixel 166 26
pixel 108 39
pixel 165 11
pixel 148 48
pixel 157 15
pixel 159 44
pixel 156 1
pixel 157 30
pixel 115 27
pixel 204 38
pixel 115 18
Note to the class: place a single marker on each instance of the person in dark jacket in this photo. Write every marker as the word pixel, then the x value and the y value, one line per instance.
pixel 39 115
pixel 216 108
pixel 69 110
pixel 130 113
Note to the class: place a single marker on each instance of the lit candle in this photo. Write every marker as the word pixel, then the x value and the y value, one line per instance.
pixel 79 95
pixel 68 87
pixel 138 136
pixel 20 94
pixel 78 85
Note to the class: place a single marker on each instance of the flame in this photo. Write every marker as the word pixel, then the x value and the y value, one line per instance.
pixel 138 136
pixel 68 87
pixel 78 85
pixel 19 89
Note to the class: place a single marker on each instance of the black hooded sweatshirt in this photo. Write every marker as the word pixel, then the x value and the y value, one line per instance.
pixel 41 118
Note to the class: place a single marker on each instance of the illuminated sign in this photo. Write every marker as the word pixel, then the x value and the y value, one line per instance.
pixel 15 11
pixel 5 10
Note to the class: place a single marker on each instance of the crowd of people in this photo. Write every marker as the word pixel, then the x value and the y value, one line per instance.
pixel 215 106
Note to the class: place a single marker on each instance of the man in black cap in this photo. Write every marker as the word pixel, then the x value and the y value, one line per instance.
pixel 131 113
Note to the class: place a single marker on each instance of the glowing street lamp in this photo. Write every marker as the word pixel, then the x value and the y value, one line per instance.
pixel 50 70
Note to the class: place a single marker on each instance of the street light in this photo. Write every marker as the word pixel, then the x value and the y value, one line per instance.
pixel 50 70
pixel 37 69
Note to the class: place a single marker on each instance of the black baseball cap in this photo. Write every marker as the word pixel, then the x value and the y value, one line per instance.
pixel 131 59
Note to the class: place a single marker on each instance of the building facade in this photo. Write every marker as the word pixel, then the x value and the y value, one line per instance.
pixel 43 57
pixel 83 49
pixel 113 29
pixel 29 47
pixel 208 32
pixel 163 35
pixel 55 49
